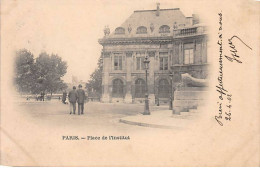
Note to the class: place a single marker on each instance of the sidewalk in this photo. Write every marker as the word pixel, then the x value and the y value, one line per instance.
pixel 158 119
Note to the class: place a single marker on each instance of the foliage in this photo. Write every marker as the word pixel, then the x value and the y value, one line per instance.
pixel 95 82
pixel 40 75
pixel 24 69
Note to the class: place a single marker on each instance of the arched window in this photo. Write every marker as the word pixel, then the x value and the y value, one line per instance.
pixel 164 89
pixel 139 88
pixel 164 29
pixel 118 88
pixel 141 30
pixel 119 30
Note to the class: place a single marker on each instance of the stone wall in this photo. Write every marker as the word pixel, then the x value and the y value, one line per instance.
pixel 189 98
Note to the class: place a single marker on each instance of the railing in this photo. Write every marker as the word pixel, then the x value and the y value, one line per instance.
pixel 189 67
pixel 188 31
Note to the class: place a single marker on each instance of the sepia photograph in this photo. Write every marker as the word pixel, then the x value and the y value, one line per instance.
pixel 129 83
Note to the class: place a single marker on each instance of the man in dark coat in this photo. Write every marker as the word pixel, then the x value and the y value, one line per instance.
pixel 42 96
pixel 72 99
pixel 81 99
pixel 64 96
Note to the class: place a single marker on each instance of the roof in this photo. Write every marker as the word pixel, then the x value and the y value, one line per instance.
pixel 147 18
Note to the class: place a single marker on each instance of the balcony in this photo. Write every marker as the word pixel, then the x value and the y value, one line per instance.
pixel 189 67
pixel 191 31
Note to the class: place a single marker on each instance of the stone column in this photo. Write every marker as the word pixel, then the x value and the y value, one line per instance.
pixel 176 53
pixel 181 53
pixel 151 77
pixel 204 51
pixel 105 77
pixel 156 69
pixel 129 62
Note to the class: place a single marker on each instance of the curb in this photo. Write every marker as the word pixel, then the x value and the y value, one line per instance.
pixel 148 125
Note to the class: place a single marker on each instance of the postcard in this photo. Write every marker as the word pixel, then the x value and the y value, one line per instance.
pixel 130 83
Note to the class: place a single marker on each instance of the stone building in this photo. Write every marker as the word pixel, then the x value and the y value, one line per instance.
pixel 172 42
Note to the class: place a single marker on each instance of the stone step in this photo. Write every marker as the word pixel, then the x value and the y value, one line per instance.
pixel 183 116
pixel 185 113
pixel 189 95
pixel 192 89
pixel 193 110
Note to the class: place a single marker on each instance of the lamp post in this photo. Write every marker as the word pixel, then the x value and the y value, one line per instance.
pixel 146 106
pixel 171 95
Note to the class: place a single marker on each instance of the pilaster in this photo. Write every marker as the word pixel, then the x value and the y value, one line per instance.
pixel 129 63
pixel 105 76
pixel 151 76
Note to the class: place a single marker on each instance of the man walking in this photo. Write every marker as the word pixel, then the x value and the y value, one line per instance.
pixel 42 96
pixel 64 97
pixel 72 99
pixel 81 99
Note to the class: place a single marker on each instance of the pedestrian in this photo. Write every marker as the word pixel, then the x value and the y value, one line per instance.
pixel 81 99
pixel 64 96
pixel 72 99
pixel 42 96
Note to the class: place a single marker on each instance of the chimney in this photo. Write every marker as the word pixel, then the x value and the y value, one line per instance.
pixel 195 19
pixel 158 9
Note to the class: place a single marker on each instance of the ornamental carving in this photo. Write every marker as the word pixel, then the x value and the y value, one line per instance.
pixel 151 27
pixel 106 54
pixel 106 30
pixel 175 26
pixel 129 28
pixel 129 54
pixel 151 53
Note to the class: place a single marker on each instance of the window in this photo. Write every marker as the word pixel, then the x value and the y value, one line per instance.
pixel 164 29
pixel 188 56
pixel 141 30
pixel 139 88
pixel 163 60
pixel 140 60
pixel 120 30
pixel 118 61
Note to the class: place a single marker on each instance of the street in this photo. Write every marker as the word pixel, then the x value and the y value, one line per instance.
pixel 96 115
pixel 34 133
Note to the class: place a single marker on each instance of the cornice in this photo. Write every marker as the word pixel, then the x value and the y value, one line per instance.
pixel 136 40
pixel 147 40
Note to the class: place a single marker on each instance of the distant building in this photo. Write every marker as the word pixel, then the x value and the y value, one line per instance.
pixel 172 42
pixel 76 82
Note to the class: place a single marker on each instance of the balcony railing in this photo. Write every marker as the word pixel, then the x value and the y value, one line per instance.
pixel 189 31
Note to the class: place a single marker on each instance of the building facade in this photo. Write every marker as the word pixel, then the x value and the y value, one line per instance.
pixel 173 43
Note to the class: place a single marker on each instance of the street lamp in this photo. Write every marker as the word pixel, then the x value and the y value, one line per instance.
pixel 171 95
pixel 146 106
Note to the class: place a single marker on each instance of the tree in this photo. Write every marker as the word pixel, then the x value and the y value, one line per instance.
pixel 25 69
pixel 95 82
pixel 50 69
pixel 41 75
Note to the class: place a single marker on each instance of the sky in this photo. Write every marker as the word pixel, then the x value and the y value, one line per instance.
pixel 71 28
